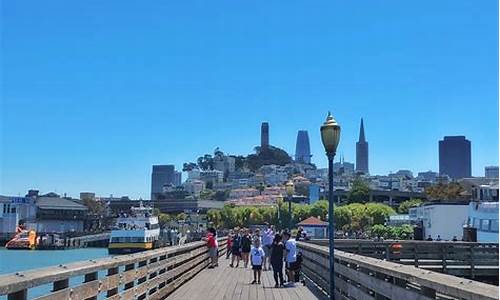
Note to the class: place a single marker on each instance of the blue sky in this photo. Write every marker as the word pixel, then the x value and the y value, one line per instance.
pixel 95 92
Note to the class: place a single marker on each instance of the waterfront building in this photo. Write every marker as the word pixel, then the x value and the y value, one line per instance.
pixel 313 193
pixel 264 135
pixel 161 175
pixel 314 228
pixel 484 218
pixel 485 192
pixel 491 172
pixel 14 210
pixel 455 157
pixel 87 196
pixel 445 220
pixel 362 151
pixel 402 173
pixel 302 148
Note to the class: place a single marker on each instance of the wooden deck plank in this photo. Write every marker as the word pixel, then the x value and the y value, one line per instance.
pixel 225 282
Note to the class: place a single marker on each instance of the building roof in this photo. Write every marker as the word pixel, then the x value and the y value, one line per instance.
pixel 313 221
pixel 58 203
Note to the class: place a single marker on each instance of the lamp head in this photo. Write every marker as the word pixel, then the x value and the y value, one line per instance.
pixel 290 190
pixel 330 135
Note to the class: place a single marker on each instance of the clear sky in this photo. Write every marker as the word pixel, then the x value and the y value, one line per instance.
pixel 95 92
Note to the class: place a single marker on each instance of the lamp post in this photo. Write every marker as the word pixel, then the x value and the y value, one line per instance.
pixel 289 191
pixel 330 136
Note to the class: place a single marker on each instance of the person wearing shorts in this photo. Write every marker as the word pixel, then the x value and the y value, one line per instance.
pixel 291 257
pixel 257 258
pixel 267 241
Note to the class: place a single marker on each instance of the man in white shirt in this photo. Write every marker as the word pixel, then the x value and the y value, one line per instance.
pixel 291 257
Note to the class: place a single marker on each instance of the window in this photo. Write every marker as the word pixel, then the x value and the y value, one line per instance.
pixel 476 223
pixel 494 225
pixel 485 224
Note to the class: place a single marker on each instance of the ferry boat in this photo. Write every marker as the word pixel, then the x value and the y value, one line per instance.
pixel 24 240
pixel 136 232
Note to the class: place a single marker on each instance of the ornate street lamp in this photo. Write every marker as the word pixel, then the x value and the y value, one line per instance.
pixel 330 136
pixel 290 190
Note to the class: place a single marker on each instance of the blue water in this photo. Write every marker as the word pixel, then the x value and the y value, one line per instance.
pixel 12 261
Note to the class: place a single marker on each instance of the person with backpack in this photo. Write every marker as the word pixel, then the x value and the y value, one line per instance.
pixel 236 248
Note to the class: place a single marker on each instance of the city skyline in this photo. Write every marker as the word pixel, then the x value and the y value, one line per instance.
pixel 115 92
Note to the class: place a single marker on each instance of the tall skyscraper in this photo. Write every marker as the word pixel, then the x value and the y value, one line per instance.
pixel 455 157
pixel 302 148
pixel 491 172
pixel 162 174
pixel 362 151
pixel 264 135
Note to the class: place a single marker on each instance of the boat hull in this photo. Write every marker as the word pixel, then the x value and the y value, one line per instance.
pixel 127 248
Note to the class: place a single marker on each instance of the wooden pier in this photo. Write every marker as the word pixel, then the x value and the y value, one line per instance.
pixel 180 273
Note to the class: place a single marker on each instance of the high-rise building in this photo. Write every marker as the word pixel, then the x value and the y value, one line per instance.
pixel 264 135
pixel 455 157
pixel 161 175
pixel 362 151
pixel 302 148
pixel 491 172
pixel 177 178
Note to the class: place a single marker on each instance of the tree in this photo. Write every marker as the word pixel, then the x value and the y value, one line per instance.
pixel 343 217
pixel 379 212
pixel 451 191
pixel 359 193
pixel 164 219
pixel 268 156
pixel 215 216
pixel 189 166
pixel 221 195
pixel 320 209
pixel 405 206
pixel 181 217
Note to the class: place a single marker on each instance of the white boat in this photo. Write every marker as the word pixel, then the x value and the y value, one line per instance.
pixel 136 232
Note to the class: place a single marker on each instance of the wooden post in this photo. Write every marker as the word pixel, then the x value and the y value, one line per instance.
pixel 444 249
pixel 113 291
pixel 88 278
pixel 428 292
pixel 415 255
pixel 472 273
pixel 129 285
pixel 20 295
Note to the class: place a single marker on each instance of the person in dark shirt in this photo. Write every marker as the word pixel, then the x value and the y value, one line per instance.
pixel 236 248
pixel 246 244
pixel 277 249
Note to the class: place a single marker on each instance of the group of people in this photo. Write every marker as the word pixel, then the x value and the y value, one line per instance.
pixel 264 251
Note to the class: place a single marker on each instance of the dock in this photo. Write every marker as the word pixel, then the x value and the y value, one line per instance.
pixel 181 272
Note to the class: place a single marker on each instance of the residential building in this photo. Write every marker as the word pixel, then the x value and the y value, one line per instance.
pixel 428 176
pixel 194 186
pixel 343 168
pixel 455 157
pixel 161 175
pixel 225 164
pixel 491 172
pixel 302 148
pixel 362 151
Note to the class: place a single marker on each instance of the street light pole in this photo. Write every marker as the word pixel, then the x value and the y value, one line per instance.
pixel 330 136
pixel 290 189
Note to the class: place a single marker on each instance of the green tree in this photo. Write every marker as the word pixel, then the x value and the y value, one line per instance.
pixel 451 191
pixel 343 217
pixel 405 206
pixel 181 217
pixel 320 209
pixel 164 219
pixel 215 216
pixel 379 212
pixel 359 193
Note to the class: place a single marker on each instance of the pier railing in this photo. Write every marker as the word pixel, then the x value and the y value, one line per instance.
pixel 151 274
pixel 362 277
pixel 466 259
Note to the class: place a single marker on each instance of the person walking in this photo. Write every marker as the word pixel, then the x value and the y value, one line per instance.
pixel 246 244
pixel 267 241
pixel 257 258
pixel 212 247
pixel 229 245
pixel 291 257
pixel 276 260
pixel 236 248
